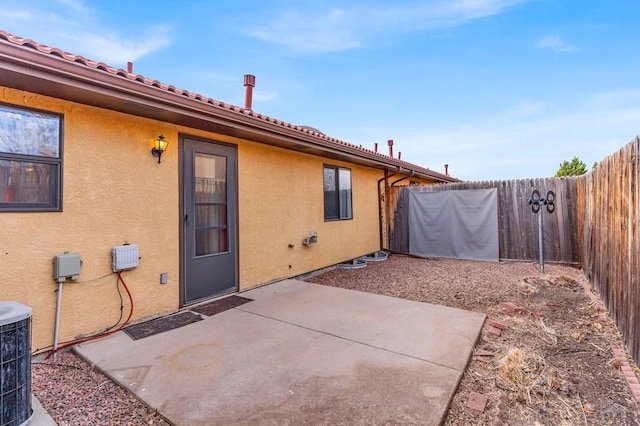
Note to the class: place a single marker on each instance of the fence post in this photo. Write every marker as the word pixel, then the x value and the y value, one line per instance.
pixel 540 241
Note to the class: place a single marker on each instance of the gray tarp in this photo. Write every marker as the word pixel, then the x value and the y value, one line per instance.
pixel 456 224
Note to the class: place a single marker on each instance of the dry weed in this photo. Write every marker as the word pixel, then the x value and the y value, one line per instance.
pixel 549 332
pixel 527 288
pixel 538 387
pixel 563 281
pixel 519 371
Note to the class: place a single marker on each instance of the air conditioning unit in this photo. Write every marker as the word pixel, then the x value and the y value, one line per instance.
pixel 15 363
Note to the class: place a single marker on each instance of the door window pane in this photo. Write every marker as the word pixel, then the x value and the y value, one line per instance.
pixel 211 241
pixel 209 216
pixel 211 178
pixel 210 204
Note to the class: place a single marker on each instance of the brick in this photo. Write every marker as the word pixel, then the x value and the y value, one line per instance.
pixel 603 316
pixel 493 331
pixel 627 371
pixel 477 401
pixel 618 353
pixel 513 307
pixel 496 324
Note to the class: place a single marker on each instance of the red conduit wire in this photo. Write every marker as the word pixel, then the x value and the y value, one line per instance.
pixel 100 336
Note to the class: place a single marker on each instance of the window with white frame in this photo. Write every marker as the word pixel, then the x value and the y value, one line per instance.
pixel 337 193
pixel 30 160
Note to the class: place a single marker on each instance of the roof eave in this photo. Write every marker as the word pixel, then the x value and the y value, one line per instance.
pixel 30 70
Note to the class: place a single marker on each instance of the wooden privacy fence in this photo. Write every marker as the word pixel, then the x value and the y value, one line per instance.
pixel 596 223
pixel 612 239
pixel 517 224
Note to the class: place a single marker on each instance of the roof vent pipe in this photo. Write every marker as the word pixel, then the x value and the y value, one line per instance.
pixel 249 84
pixel 399 155
pixel 130 67
pixel 446 170
pixel 375 147
pixel 390 143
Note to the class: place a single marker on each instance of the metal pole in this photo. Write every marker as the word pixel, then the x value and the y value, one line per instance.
pixel 540 241
pixel 55 333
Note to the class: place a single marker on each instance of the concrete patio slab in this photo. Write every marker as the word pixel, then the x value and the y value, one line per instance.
pixel 299 353
pixel 431 333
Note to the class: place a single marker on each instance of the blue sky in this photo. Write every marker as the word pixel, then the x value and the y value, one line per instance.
pixel 497 89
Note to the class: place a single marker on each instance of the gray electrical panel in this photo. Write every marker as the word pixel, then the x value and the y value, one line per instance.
pixel 66 266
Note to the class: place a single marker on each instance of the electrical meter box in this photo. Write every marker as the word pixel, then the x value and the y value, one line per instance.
pixel 66 266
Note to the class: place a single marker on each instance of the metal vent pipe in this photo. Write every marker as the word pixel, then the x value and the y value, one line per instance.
pixel 249 84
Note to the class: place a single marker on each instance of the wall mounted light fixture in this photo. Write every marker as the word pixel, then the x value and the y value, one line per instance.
pixel 158 146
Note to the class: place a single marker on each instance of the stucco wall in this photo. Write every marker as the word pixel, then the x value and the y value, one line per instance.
pixel 281 201
pixel 115 193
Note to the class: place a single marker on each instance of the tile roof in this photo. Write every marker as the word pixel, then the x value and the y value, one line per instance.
pixel 101 66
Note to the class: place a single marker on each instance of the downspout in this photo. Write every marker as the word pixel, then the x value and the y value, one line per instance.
pixel 381 213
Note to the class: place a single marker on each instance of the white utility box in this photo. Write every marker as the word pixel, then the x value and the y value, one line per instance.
pixel 66 266
pixel 125 257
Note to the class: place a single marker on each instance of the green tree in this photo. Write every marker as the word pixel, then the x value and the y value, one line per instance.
pixel 575 167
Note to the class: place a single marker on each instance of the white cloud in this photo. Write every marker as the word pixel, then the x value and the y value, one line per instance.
pixel 76 28
pixel 117 49
pixel 348 27
pixel 471 9
pixel 528 109
pixel 76 5
pixel 504 145
pixel 264 96
pixel 554 43
pixel 15 15
pixel 327 33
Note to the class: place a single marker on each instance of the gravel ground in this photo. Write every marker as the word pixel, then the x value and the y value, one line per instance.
pixel 74 394
pixel 552 363
pixel 565 376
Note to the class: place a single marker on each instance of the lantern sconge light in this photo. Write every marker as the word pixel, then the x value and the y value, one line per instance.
pixel 158 146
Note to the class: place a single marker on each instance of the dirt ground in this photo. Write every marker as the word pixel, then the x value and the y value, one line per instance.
pixel 552 362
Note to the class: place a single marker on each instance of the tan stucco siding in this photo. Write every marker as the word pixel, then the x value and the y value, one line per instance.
pixel 115 192
pixel 281 201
